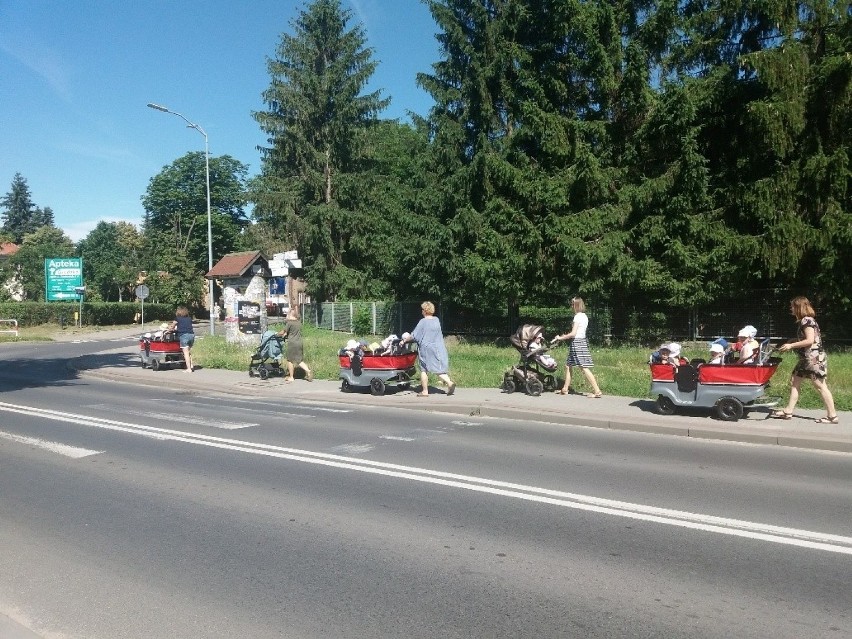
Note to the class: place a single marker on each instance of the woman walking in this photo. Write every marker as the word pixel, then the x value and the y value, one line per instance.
pixel 578 350
pixel 182 326
pixel 294 349
pixel 431 350
pixel 812 364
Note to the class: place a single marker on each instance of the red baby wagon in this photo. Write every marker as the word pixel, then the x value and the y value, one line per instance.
pixel 729 389
pixel 156 351
pixel 376 371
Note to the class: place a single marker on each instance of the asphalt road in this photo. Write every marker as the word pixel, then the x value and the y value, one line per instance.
pixel 152 512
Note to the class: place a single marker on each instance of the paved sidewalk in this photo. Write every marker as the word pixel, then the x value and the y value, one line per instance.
pixel 610 412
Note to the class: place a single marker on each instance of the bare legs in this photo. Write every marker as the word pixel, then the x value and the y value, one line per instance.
pixel 589 375
pixel 291 368
pixel 444 377
pixel 187 356
pixel 822 388
pixel 566 387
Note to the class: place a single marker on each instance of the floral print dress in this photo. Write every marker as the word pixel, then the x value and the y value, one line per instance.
pixel 813 362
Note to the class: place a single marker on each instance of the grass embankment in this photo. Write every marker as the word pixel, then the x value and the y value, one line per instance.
pixel 620 371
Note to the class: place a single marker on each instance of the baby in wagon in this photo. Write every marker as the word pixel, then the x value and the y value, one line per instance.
pixel 668 354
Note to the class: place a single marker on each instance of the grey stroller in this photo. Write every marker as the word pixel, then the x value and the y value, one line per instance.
pixel 534 373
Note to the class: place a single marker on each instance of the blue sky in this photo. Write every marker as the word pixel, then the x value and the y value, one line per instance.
pixel 76 77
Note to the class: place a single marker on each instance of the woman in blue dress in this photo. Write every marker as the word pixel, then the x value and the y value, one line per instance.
pixel 431 350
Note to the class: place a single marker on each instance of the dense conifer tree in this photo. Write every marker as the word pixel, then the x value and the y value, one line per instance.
pixel 20 215
pixel 317 118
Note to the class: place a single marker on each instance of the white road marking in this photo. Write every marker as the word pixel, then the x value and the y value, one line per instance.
pixel 460 423
pixel 695 521
pixel 353 449
pixel 54 447
pixel 184 419
pixel 308 404
pixel 397 439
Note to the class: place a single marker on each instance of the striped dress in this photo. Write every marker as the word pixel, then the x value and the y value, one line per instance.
pixel 578 349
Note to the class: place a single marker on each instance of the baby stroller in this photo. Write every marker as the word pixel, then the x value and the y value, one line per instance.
pixel 534 373
pixel 266 360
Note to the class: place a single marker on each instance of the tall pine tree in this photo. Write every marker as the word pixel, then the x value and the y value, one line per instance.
pixel 316 119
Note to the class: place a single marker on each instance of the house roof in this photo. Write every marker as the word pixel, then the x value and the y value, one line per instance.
pixel 238 264
pixel 8 248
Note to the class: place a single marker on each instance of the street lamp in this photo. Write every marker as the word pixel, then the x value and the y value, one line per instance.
pixel 192 125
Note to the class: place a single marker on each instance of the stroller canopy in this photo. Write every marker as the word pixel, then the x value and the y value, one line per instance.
pixel 270 346
pixel 525 335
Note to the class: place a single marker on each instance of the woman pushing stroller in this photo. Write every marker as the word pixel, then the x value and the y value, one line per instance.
pixel 578 350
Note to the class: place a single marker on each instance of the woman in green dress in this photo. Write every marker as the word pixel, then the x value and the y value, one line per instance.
pixel 294 350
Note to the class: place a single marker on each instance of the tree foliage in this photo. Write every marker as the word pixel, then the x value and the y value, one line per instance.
pixel 26 267
pixel 176 208
pixel 21 216
pixel 112 260
pixel 317 119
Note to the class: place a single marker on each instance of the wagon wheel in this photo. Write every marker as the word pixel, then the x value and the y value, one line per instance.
pixel 377 387
pixel 345 386
pixel 549 383
pixel 155 364
pixel 665 406
pixel 263 373
pixel 729 409
pixel 534 386
pixel 508 385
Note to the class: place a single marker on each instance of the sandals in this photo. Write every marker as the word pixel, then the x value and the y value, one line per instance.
pixel 594 395
pixel 780 414
pixel 560 392
pixel 827 420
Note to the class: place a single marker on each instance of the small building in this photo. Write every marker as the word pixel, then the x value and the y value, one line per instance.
pixel 242 277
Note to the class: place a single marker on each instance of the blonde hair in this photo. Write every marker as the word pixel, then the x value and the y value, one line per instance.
pixel 578 304
pixel 801 307
pixel 428 308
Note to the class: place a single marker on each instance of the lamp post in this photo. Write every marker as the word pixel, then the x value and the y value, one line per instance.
pixel 192 125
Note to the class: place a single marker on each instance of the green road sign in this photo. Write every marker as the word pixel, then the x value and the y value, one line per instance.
pixel 62 275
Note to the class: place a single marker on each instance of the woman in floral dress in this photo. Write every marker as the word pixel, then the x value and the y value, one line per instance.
pixel 812 364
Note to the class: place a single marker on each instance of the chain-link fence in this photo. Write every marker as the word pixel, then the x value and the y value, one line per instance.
pixel 627 321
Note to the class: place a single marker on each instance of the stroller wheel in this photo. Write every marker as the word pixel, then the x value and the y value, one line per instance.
pixel 549 383
pixel 251 372
pixel 534 386
pixel 264 374
pixel 508 385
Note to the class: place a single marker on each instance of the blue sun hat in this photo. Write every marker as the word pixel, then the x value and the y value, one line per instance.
pixel 721 342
